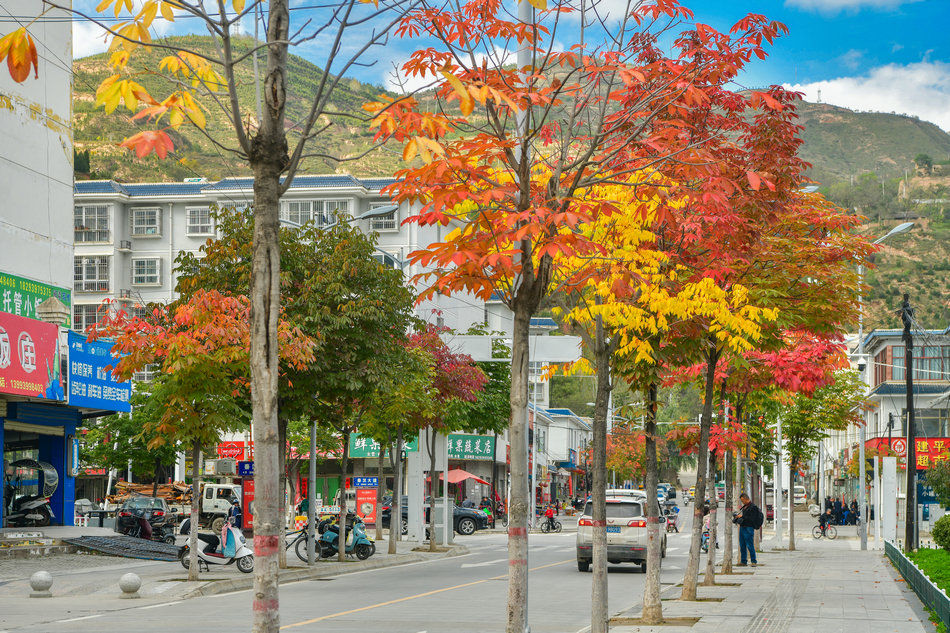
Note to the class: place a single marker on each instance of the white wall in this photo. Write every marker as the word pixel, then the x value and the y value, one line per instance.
pixel 36 155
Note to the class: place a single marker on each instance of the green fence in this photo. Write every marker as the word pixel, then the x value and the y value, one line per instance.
pixel 928 592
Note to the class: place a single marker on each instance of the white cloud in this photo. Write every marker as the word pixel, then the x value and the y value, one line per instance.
pixel 851 59
pixel 921 89
pixel 836 6
pixel 87 39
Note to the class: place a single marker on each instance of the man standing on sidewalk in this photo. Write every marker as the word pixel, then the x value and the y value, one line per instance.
pixel 749 519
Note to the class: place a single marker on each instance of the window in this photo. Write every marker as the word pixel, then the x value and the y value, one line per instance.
pixel 91 223
pixel 85 315
pixel 931 362
pixel 618 509
pixel 146 222
pixel 198 222
pixel 147 374
pixel 320 212
pixel 147 272
pixel 386 222
pixel 91 273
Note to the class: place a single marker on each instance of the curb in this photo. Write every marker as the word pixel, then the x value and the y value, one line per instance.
pixel 36 551
pixel 211 588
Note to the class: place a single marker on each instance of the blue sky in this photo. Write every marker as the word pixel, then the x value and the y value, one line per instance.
pixel 882 55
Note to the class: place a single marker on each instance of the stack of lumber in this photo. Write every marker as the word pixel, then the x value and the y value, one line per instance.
pixel 175 493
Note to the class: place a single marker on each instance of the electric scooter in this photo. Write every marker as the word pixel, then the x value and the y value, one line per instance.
pixel 233 548
pixel 31 509
pixel 355 538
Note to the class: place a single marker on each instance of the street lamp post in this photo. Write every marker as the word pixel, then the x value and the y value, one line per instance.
pixel 862 367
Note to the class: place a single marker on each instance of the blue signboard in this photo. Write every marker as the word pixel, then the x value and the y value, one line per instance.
pixel 91 385
pixel 245 469
pixel 365 482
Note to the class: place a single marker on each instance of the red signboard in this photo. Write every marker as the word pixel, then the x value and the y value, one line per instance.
pixel 29 358
pixel 232 450
pixel 366 504
pixel 247 501
pixel 927 450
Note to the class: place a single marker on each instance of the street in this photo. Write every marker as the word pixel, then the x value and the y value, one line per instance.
pixel 464 593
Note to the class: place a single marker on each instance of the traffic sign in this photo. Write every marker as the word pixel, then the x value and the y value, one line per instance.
pixel 245 469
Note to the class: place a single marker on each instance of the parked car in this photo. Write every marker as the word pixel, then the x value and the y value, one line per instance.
pixel 801 496
pixel 466 520
pixel 670 490
pixel 155 510
pixel 626 533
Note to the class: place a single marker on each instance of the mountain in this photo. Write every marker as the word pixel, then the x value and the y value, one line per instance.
pixel 840 143
pixel 196 155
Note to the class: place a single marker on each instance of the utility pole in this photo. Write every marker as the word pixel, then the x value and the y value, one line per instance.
pixel 910 514
pixel 312 499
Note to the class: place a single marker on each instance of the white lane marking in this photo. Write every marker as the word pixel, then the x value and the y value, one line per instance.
pixel 485 564
pixel 161 604
pixel 84 617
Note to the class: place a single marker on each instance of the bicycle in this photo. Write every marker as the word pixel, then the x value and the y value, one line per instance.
pixel 546 526
pixel 829 532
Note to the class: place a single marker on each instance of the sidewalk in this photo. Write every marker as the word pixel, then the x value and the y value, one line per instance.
pixel 84 584
pixel 825 586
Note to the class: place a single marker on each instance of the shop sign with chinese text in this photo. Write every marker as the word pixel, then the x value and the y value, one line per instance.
pixel 22 297
pixel 91 381
pixel 368 448
pixel 927 450
pixel 471 447
pixel 29 358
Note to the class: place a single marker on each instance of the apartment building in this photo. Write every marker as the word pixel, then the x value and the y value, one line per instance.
pixel 128 236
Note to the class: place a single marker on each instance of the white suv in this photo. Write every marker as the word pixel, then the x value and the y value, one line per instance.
pixel 626 533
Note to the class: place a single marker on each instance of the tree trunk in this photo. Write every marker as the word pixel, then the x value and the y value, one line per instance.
pixel 282 526
pixel 433 489
pixel 395 512
pixel 267 161
pixel 728 530
pixel 195 506
pixel 652 607
pixel 709 578
pixel 379 491
pixel 344 467
pixel 690 578
pixel 517 615
pixel 599 614
pixel 791 505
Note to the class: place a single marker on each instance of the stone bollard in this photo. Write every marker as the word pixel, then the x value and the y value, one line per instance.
pixel 129 584
pixel 40 582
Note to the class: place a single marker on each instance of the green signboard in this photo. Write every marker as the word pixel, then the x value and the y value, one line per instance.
pixel 22 296
pixel 368 448
pixel 471 447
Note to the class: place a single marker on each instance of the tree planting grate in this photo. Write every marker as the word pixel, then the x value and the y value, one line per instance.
pixel 127 547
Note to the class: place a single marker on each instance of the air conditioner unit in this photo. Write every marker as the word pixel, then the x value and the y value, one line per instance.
pixel 125 246
pixel 225 467
pixel 125 293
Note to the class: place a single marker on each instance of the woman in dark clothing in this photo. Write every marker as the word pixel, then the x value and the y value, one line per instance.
pixel 854 512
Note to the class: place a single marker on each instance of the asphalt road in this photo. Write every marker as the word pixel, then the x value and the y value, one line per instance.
pixel 455 595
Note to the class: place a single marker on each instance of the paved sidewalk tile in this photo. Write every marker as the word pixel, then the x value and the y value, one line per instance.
pixel 826 587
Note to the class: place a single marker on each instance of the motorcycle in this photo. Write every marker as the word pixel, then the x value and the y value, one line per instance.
pixel 355 539
pixel 29 509
pixel 233 549
pixel 704 544
pixel 149 525
pixel 672 518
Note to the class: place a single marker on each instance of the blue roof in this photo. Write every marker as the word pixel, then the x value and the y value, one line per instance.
pixel 98 186
pixel 900 389
pixel 875 334
pixel 543 322
pixel 560 411
pixel 150 189
pixel 165 189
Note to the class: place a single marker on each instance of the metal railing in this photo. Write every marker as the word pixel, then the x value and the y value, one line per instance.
pixel 927 591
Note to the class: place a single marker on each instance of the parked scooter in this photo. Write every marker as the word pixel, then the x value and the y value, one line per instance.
pixel 233 548
pixel 30 510
pixel 355 539
pixel 149 527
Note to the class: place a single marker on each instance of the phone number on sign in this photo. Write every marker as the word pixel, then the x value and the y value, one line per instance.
pixel 24 385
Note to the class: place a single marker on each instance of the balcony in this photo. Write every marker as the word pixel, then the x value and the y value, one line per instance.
pixel 92 236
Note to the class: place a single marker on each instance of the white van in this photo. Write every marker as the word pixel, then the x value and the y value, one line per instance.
pixel 626 532
pixel 800 495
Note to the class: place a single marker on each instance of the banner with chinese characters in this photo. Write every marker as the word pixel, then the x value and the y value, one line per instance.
pixel 472 447
pixel 91 385
pixel 29 358
pixel 927 450
pixel 368 448
pixel 21 297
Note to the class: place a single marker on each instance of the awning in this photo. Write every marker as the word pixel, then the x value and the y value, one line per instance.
pixel 458 475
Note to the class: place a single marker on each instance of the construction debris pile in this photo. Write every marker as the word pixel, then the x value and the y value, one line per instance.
pixel 176 493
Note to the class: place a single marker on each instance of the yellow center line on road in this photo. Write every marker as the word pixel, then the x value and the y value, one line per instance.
pixel 418 595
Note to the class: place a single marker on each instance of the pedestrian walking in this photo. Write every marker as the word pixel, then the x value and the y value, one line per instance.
pixel 837 511
pixel 749 519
